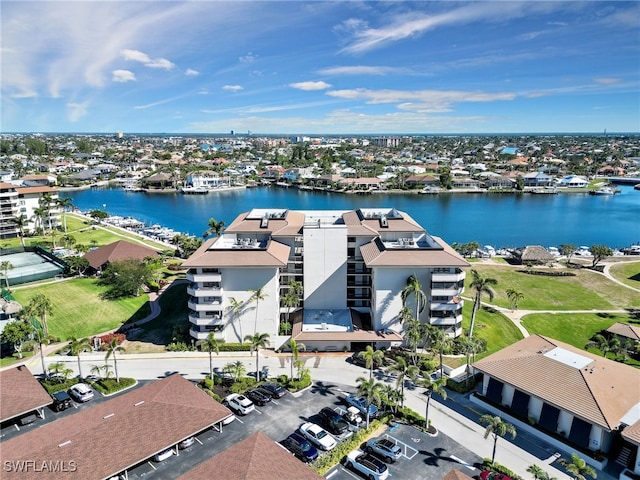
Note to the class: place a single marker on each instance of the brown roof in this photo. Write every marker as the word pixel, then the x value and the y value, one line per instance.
pixel 536 253
pixel 355 336
pixel 602 391
pixel 624 330
pixel 254 458
pixel 20 393
pixel 288 226
pixel 454 474
pixel 355 226
pixel 118 251
pixel 375 254
pixel 275 255
pixel 41 189
pixel 632 433
pixel 114 435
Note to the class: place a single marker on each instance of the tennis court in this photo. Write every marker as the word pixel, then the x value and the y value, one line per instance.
pixel 30 265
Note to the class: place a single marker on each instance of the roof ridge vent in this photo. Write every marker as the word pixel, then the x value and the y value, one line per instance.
pixel 108 416
pixel 137 404
pixel 64 444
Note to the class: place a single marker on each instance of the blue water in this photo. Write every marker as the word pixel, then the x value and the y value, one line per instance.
pixel 501 220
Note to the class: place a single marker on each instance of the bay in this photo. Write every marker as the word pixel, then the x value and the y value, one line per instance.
pixel 501 220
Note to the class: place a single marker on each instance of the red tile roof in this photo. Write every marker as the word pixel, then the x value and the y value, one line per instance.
pixel 118 251
pixel 375 254
pixel 20 393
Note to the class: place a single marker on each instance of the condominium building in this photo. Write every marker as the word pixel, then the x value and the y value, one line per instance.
pixel 336 277
pixel 16 201
pixel 8 210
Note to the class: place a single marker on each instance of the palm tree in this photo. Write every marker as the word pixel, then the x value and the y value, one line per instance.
pixel 112 349
pixel 440 341
pixel 481 285
pixel 431 387
pixel 515 297
pixel 210 345
pixel 41 305
pixel 77 347
pixel 414 289
pixel 606 345
pixel 498 428
pixel 404 372
pixel 370 390
pixel 577 467
pixel 536 471
pixel 258 341
pixel 390 397
pixel 5 266
pixel 295 353
pixel 59 368
pixel 257 295
pixel 371 357
pixel 65 203
pixel 235 369
pixel 235 307
pixel 215 228
pixel 467 346
pixel 21 222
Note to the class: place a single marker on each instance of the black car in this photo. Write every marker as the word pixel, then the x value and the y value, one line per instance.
pixel 333 421
pixel 275 390
pixel 257 396
pixel 300 447
pixel 61 401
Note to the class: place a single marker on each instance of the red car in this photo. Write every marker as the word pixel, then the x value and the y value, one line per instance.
pixel 489 475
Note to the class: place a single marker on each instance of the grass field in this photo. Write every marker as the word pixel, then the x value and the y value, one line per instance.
pixel 627 273
pixel 78 309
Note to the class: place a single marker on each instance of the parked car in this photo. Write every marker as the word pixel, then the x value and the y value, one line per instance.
pixel 81 392
pixel 358 359
pixel 275 390
pixel 186 443
pixel 159 457
pixel 300 447
pixel 361 404
pixel 257 396
pixel 318 435
pixel 239 404
pixel 489 475
pixel 61 401
pixel 384 448
pixel 368 465
pixel 333 421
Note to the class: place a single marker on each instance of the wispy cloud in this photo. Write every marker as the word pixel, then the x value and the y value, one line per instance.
pixel 189 72
pixel 123 76
pixel 147 61
pixel 159 102
pixel 362 70
pixel 75 111
pixel 607 80
pixel 249 58
pixel 232 88
pixel 319 85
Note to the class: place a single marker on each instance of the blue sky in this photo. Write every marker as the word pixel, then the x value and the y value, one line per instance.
pixel 318 67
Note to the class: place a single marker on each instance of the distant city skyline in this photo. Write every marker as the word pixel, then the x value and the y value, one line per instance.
pixel 320 67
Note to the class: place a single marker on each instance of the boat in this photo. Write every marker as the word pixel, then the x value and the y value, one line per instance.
pixel 545 191
pixel 604 191
pixel 192 190
pixel 132 188
pixel 636 186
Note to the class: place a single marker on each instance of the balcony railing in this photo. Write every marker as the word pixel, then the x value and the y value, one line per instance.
pixel 440 321
pixel 202 291
pixel 205 307
pixel 203 335
pixel 204 277
pixel 446 307
pixel 205 321
pixel 448 277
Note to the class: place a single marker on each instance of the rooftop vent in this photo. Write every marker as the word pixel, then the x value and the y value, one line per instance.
pixel 64 444
pixel 138 404
pixel 108 416
pixel 384 223
pixel 264 223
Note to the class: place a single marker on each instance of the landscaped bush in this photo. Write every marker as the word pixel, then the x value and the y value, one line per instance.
pixel 234 347
pixel 213 395
pixel 549 273
pixel 410 416
pixel 461 387
pixel 297 385
pixel 109 385
pixel 53 386
pixel 179 347
pixel 242 385
pixel 496 467
pixel 106 339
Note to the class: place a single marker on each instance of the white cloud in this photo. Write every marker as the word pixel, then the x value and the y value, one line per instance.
pixel 232 88
pixel 248 58
pixel 138 56
pixel 310 85
pixel 362 70
pixel 123 76
pixel 75 111
pixel 607 80
pixel 189 72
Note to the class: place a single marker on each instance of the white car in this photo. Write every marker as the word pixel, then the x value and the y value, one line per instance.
pixel 370 466
pixel 239 404
pixel 318 435
pixel 81 392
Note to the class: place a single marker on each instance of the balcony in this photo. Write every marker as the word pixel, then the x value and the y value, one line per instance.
pixel 205 306
pixel 204 291
pixel 203 335
pixel 448 277
pixel 446 307
pixel 205 321
pixel 445 321
pixel 446 292
pixel 204 277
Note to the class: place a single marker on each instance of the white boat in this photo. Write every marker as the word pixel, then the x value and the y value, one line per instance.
pixel 132 188
pixel 603 191
pixel 194 190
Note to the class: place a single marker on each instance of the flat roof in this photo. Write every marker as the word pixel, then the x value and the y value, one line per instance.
pixel 327 320
pixel 112 436
pixel 20 393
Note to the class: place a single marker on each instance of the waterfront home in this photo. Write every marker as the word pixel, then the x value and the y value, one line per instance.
pixel 537 179
pixel 498 181
pixel 351 267
pixel 204 179
pixel 576 400
pixel 574 181
pixel 422 181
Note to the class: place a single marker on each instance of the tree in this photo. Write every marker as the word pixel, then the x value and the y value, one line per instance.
pixel 210 345
pixel 296 348
pixel 498 428
pixel 40 305
pixel 606 345
pixel 515 297
pixel 5 266
pixel 125 278
pixel 371 357
pixel 235 369
pixel 414 289
pixel 258 341
pixel 578 467
pixel 16 333
pixel 599 252
pixel 567 250
pixel 65 203
pixel 257 295
pixel 468 346
pixel 98 215
pixel 519 183
pixel 77 347
pixel 390 397
pixel 59 368
pixel 112 349
pixel 292 297
pixel 21 222
pixel 403 372
pixel 77 265
pixel 431 387
pixel 538 473
pixel 370 391
pixel 215 228
pixel 481 285
pixel 440 342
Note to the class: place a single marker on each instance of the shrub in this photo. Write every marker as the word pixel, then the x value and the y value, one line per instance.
pixel 461 387
pixel 242 385
pixel 496 467
pixel 410 416
pixel 53 386
pixel 179 347
pixel 106 339
pixel 234 347
pixel 545 273
pixel 213 395
pixel 296 385
pixel 109 385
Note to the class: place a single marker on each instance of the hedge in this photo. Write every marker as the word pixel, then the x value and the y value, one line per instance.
pixel 109 385
pixel 54 386
pixel 234 347
pixel 545 273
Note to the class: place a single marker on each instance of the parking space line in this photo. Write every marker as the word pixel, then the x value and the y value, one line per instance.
pixel 198 440
pixel 151 465
pixel 239 420
pixel 409 451
pixel 349 472
pixel 462 462
pixel 273 401
pixel 331 474
pixel 258 411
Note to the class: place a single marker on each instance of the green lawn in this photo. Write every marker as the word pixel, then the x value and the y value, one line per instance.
pixel 492 326
pixel 78 309
pixel 627 273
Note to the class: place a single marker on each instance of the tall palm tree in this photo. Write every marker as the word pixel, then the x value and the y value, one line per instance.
pixel 371 357
pixel 390 397
pixel 370 390
pixel 296 348
pixel 22 222
pixel 41 305
pixel 606 345
pixel 481 285
pixel 215 228
pixel 65 203
pixel 112 349
pixel 235 307
pixel 404 372
pixel 431 387
pixel 257 295
pixel 440 342
pixel 5 266
pixel 515 297
pixel 258 341
pixel 498 428
pixel 577 467
pixel 210 345
pixel 77 347
pixel 468 346
pixel 414 289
